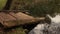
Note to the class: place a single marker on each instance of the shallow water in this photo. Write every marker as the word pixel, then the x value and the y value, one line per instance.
pixel 38 29
pixel 53 28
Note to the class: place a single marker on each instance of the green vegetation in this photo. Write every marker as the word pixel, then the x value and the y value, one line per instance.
pixel 17 31
pixel 35 7
pixel 39 7
pixel 2 4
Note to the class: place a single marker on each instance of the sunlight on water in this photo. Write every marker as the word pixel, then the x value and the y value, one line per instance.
pixel 55 19
pixel 38 29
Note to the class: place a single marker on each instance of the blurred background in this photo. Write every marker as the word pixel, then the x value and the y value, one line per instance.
pixel 36 8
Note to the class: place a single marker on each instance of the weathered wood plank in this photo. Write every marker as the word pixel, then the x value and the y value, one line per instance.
pixel 13 19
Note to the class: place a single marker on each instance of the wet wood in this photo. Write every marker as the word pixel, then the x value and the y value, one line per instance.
pixel 13 19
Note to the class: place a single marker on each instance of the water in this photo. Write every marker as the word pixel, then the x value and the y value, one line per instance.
pixel 38 29
pixel 53 28
pixel 55 19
